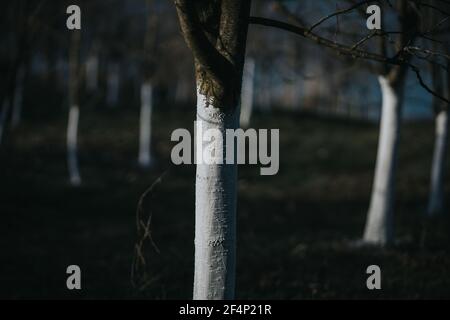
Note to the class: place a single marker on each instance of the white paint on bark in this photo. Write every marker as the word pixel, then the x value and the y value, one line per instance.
pixel 72 156
pixel 247 92
pixel 113 83
pixel 436 200
pixel 145 159
pixel 379 223
pixel 92 73
pixel 215 211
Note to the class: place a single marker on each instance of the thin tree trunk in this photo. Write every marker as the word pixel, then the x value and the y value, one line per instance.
pixel 72 154
pixel 379 224
pixel 247 92
pixel 74 111
pixel 145 159
pixel 436 200
pixel 215 213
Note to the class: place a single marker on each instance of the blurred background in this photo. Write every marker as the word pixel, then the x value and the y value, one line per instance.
pixel 292 227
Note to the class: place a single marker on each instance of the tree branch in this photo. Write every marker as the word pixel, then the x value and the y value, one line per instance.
pixel 205 53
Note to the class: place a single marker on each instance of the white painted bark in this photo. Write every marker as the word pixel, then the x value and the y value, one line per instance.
pixel 247 92
pixel 16 115
pixel 113 83
pixel 145 159
pixel 215 211
pixel 92 73
pixel 379 223
pixel 72 156
pixel 436 200
pixel 3 117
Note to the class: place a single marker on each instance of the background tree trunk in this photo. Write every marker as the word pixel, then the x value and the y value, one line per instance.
pixel 145 159
pixel 74 111
pixel 436 196
pixel 379 224
pixel 436 201
pixel 72 154
pixel 247 92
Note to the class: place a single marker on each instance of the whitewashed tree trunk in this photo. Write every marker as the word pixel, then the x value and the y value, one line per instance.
pixel 247 92
pixel 3 116
pixel 219 78
pixel 145 159
pixel 379 223
pixel 16 115
pixel 215 211
pixel 72 136
pixel 436 200
pixel 92 73
pixel 113 83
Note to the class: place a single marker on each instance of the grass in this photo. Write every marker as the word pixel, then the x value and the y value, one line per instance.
pixel 293 228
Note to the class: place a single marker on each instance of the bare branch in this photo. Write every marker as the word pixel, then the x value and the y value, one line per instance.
pixel 340 48
pixel 339 12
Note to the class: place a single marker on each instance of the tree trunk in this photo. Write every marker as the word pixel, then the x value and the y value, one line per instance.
pixel 247 92
pixel 436 200
pixel 216 32
pixel 145 159
pixel 74 110
pixel 72 156
pixel 379 224
pixel 215 210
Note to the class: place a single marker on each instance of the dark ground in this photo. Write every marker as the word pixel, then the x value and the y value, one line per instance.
pixel 292 227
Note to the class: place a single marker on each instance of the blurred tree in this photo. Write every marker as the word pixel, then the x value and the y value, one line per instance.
pixel 19 16
pixel 247 92
pixel 150 41
pixel 436 197
pixel 74 109
pixel 391 61
pixel 441 48
pixel 380 219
